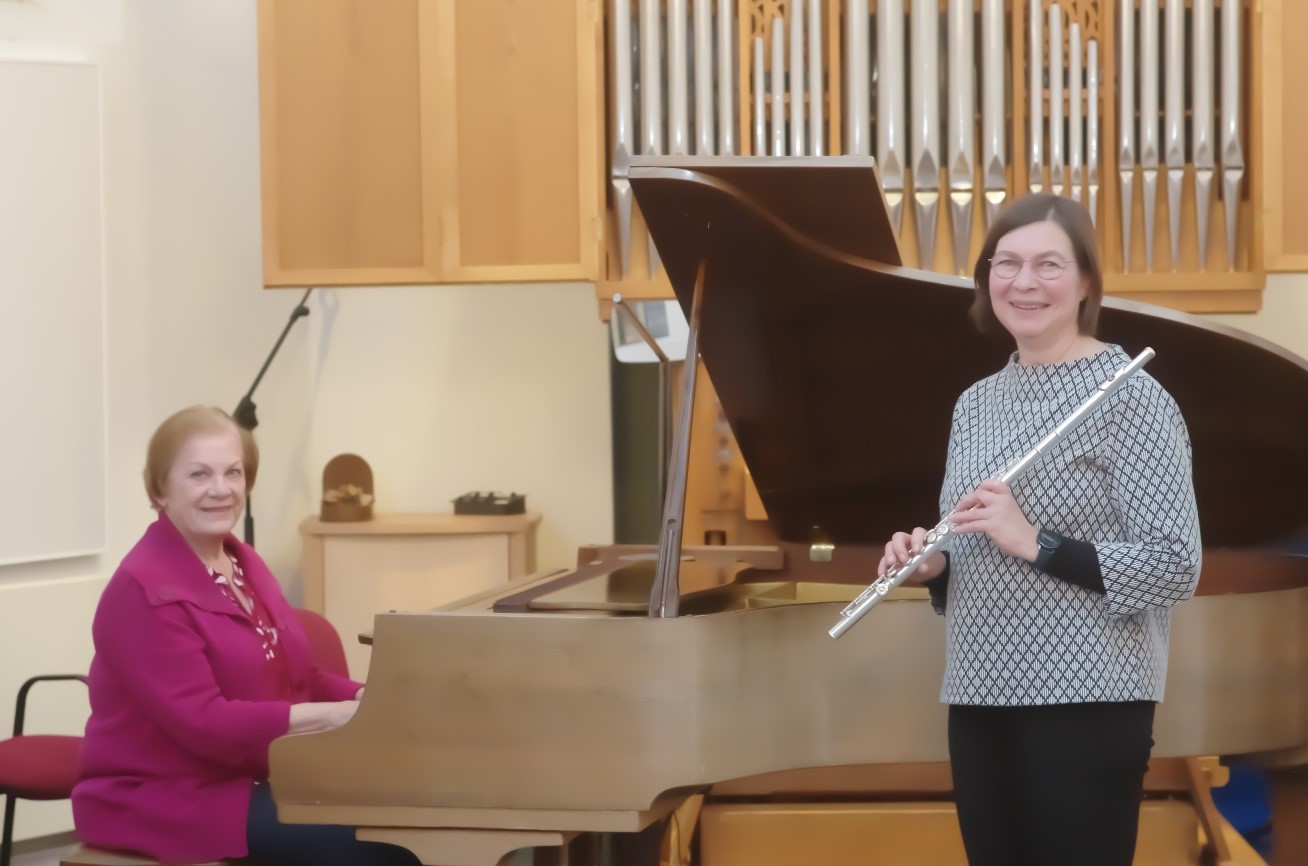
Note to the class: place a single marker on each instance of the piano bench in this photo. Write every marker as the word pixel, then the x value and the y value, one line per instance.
pixel 80 855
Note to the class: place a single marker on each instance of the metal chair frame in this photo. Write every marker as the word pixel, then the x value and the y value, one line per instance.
pixel 20 716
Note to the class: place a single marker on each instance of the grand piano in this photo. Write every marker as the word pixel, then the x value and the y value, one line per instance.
pixel 598 700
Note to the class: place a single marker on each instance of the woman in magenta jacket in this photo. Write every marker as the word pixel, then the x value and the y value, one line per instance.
pixel 200 663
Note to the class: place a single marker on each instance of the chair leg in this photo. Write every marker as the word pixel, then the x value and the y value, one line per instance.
pixel 7 841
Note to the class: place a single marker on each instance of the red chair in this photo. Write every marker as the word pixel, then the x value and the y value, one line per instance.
pixel 328 652
pixel 324 644
pixel 34 767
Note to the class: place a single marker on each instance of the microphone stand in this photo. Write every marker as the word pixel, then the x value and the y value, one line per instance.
pixel 245 415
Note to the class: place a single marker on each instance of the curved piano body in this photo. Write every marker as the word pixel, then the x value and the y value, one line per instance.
pixel 557 706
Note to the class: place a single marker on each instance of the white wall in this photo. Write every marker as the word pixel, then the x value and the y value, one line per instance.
pixel 1284 316
pixel 443 390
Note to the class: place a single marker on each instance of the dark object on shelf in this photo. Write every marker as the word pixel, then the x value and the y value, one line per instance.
pixel 490 503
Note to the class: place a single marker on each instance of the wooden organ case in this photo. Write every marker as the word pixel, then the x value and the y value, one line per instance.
pixel 565 705
pixel 1150 112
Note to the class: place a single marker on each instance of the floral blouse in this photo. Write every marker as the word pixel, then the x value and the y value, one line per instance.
pixel 257 616
pixel 267 633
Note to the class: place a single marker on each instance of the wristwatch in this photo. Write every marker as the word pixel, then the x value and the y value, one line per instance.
pixel 1048 542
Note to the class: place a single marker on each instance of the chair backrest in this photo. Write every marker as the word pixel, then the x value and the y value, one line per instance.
pixel 324 642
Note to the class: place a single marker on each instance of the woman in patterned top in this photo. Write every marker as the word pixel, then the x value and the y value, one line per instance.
pixel 200 663
pixel 1057 592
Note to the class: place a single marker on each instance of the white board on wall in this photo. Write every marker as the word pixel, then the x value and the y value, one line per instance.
pixel 52 375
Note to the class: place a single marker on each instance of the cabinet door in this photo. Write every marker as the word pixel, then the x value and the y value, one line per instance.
pixel 520 139
pixel 348 197
pixel 1284 66
pixel 428 141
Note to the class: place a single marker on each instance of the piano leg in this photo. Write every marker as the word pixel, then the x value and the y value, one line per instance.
pixel 676 849
pixel 636 849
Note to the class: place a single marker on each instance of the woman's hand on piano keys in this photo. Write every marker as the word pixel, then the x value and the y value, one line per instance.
pixel 316 717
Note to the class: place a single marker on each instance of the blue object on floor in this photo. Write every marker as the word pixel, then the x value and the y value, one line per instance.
pixel 1246 803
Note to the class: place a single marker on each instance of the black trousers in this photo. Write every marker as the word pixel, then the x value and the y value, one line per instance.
pixel 273 843
pixel 1053 785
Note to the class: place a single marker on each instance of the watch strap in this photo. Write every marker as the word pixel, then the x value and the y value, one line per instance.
pixel 1048 543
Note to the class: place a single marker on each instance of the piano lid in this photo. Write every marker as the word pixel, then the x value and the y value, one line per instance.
pixel 838 368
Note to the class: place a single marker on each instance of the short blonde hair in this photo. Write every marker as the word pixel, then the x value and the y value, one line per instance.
pixel 169 437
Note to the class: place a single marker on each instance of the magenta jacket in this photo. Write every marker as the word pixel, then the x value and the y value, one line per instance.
pixel 183 703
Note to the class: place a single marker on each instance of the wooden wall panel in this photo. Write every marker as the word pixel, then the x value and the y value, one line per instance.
pixel 520 194
pixel 342 149
pixel 1285 69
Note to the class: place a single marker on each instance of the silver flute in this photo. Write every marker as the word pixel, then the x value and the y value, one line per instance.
pixel 935 538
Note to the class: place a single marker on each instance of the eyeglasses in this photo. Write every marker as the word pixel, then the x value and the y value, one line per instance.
pixel 1046 267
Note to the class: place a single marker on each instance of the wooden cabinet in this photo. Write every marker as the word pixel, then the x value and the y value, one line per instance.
pixel 1284 66
pixel 430 141
pixel 407 562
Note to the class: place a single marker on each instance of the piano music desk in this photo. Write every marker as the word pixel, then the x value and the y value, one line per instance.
pixel 407 561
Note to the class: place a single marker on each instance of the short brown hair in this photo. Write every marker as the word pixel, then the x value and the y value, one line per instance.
pixel 180 426
pixel 1075 222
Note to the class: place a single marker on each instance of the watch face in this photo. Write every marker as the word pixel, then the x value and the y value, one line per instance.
pixel 1047 540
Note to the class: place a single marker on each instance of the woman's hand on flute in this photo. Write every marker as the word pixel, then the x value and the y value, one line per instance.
pixel 902 547
pixel 991 509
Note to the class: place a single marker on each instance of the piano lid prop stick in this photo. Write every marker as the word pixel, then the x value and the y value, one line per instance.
pixel 1092 128
pixel 1056 155
pixel 665 596
pixel 1231 151
pixel 678 86
pixel 1202 153
pixel 1174 118
pixel 962 140
pixel 936 537
pixel 857 73
pixel 994 147
pixel 1035 90
pixel 892 146
pixel 817 146
pixel 778 87
pixel 798 144
pixel 1149 152
pixel 622 144
pixel 703 26
pixel 924 24
pixel 726 78
pixel 651 96
pixel 1126 122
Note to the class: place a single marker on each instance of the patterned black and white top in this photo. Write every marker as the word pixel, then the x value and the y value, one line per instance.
pixel 1017 636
